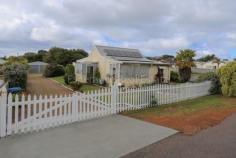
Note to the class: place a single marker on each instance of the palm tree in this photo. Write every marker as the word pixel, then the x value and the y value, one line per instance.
pixel 184 60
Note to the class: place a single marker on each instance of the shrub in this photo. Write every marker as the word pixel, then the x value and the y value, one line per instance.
pixel 227 76
pixel 53 70
pixel 16 75
pixel 69 74
pixel 174 76
pixel 215 81
pixel 75 85
pixel 97 76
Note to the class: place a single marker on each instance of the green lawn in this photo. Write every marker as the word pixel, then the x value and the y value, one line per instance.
pixel 186 107
pixel 84 87
pixel 59 79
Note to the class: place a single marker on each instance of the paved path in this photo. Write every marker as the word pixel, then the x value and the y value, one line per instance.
pixel 37 84
pixel 108 137
pixel 215 142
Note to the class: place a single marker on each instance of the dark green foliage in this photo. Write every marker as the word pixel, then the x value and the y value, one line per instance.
pixel 54 70
pixel 16 75
pixel 69 74
pixel 185 74
pixel 75 85
pixel 215 80
pixel 174 76
pixel 63 56
pixel 207 58
pixel 32 56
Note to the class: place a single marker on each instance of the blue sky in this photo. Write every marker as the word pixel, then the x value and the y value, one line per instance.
pixel 156 27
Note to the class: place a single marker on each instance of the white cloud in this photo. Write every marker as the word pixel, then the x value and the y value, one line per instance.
pixel 154 26
pixel 174 43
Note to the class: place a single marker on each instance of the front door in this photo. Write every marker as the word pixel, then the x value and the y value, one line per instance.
pixel 90 74
pixel 160 75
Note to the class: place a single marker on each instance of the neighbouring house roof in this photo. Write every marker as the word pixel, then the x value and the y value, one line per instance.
pixel 38 63
pixel 2 61
pixel 125 55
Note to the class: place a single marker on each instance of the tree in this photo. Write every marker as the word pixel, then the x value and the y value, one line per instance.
pixel 63 56
pixel 184 60
pixel 227 76
pixel 16 60
pixel 207 58
pixel 32 56
pixel 15 74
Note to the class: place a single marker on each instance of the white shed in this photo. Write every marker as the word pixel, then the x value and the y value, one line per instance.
pixel 37 67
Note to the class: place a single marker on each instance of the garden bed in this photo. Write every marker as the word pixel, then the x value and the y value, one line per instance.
pixel 189 116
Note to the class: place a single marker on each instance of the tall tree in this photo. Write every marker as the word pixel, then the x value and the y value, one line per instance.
pixel 184 60
pixel 64 56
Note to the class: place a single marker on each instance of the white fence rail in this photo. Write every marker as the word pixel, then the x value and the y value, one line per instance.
pixel 21 114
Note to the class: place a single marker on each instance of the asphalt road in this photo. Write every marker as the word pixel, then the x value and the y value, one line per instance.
pixel 215 142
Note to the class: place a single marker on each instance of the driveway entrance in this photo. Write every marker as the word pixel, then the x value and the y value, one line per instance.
pixel 108 137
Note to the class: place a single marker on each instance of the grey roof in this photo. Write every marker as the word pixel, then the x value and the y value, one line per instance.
pixel 119 52
pixel 122 54
pixel 38 63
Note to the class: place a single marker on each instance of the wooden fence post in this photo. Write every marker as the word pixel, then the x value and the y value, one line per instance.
pixel 114 93
pixel 3 114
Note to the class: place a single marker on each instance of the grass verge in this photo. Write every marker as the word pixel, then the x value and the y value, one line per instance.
pixel 189 116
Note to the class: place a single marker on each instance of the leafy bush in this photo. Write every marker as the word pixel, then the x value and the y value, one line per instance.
pixel 75 85
pixel 227 76
pixel 215 80
pixel 174 76
pixel 16 75
pixel 53 70
pixel 97 76
pixel 69 74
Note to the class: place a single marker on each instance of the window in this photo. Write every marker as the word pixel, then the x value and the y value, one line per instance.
pixel 134 71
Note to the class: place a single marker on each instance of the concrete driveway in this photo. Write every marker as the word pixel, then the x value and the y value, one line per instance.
pixel 107 137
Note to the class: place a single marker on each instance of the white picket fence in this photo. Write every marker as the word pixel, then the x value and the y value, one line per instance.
pixel 21 114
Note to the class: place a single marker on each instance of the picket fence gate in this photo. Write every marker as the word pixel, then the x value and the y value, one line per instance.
pixel 21 114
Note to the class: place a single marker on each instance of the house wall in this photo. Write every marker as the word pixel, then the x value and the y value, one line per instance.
pixel 209 65
pixel 103 65
pixel 105 69
pixel 150 78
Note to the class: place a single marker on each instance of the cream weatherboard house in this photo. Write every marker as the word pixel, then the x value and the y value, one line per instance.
pixel 121 66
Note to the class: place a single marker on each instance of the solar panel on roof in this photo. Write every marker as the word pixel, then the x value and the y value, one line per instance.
pixel 122 53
